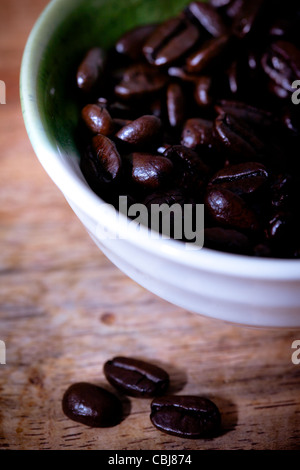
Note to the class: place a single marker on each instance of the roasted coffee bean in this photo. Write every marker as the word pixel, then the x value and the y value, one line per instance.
pixel 136 378
pixel 132 42
pixel 249 114
pixel 175 104
pixel 170 41
pixel 140 80
pixel 246 17
pixel 142 131
pixel 170 197
pixel 282 64
pixel 191 170
pixel 242 178
pixel 227 240
pixel 150 172
pixel 230 210
pixel 186 416
pixel 219 3
pixel 92 405
pixel 181 73
pixel 208 17
pixel 238 138
pixel 101 164
pixel 197 133
pixel 97 119
pixel 202 92
pixel 91 69
pixel 208 54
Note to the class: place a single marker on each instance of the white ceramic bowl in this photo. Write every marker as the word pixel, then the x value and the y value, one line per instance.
pixel 244 290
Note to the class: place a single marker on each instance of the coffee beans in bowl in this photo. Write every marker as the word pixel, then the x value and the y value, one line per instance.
pixel 201 104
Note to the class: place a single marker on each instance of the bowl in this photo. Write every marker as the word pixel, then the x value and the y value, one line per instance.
pixel 234 288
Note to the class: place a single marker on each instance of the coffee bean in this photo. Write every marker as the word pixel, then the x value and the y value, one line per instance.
pixel 138 81
pixel 186 416
pixel 208 17
pixel 249 114
pixel 91 69
pixel 282 64
pixel 135 377
pixel 242 178
pixel 170 41
pixel 175 104
pixel 97 119
pixel 132 42
pixel 197 133
pixel 142 131
pixel 150 172
pixel 246 16
pixel 230 210
pixel 227 240
pixel 238 139
pixel 208 54
pixel 191 170
pixel 202 91
pixel 92 405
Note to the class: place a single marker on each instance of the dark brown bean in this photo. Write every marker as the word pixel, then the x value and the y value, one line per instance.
pixel 92 405
pixel 243 178
pixel 186 416
pixel 101 164
pixel 250 114
pixel 135 377
pixel 170 41
pixel 91 69
pixel 197 133
pixel 282 64
pixel 191 170
pixel 97 119
pixel 132 42
pixel 230 210
pixel 150 172
pixel 142 131
pixel 175 104
pixel 246 17
pixel 208 54
pixel 227 240
pixel 202 91
pixel 140 80
pixel 238 138
pixel 208 17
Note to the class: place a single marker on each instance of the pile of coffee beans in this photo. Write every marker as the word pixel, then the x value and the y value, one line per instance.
pixel 180 415
pixel 199 109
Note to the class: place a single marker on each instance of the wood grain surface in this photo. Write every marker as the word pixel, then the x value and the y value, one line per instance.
pixel 65 309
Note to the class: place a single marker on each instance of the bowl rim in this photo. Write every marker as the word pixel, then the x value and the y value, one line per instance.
pixel 78 191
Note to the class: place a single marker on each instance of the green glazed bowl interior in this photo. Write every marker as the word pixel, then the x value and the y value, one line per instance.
pixel 77 26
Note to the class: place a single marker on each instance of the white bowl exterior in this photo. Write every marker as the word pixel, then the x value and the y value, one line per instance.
pixel 239 289
pixel 247 301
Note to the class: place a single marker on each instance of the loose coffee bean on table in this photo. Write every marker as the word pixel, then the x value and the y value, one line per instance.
pixel 135 377
pixel 186 416
pixel 92 405
pixel 200 107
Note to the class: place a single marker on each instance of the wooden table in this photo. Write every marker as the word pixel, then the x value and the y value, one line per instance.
pixel 65 309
